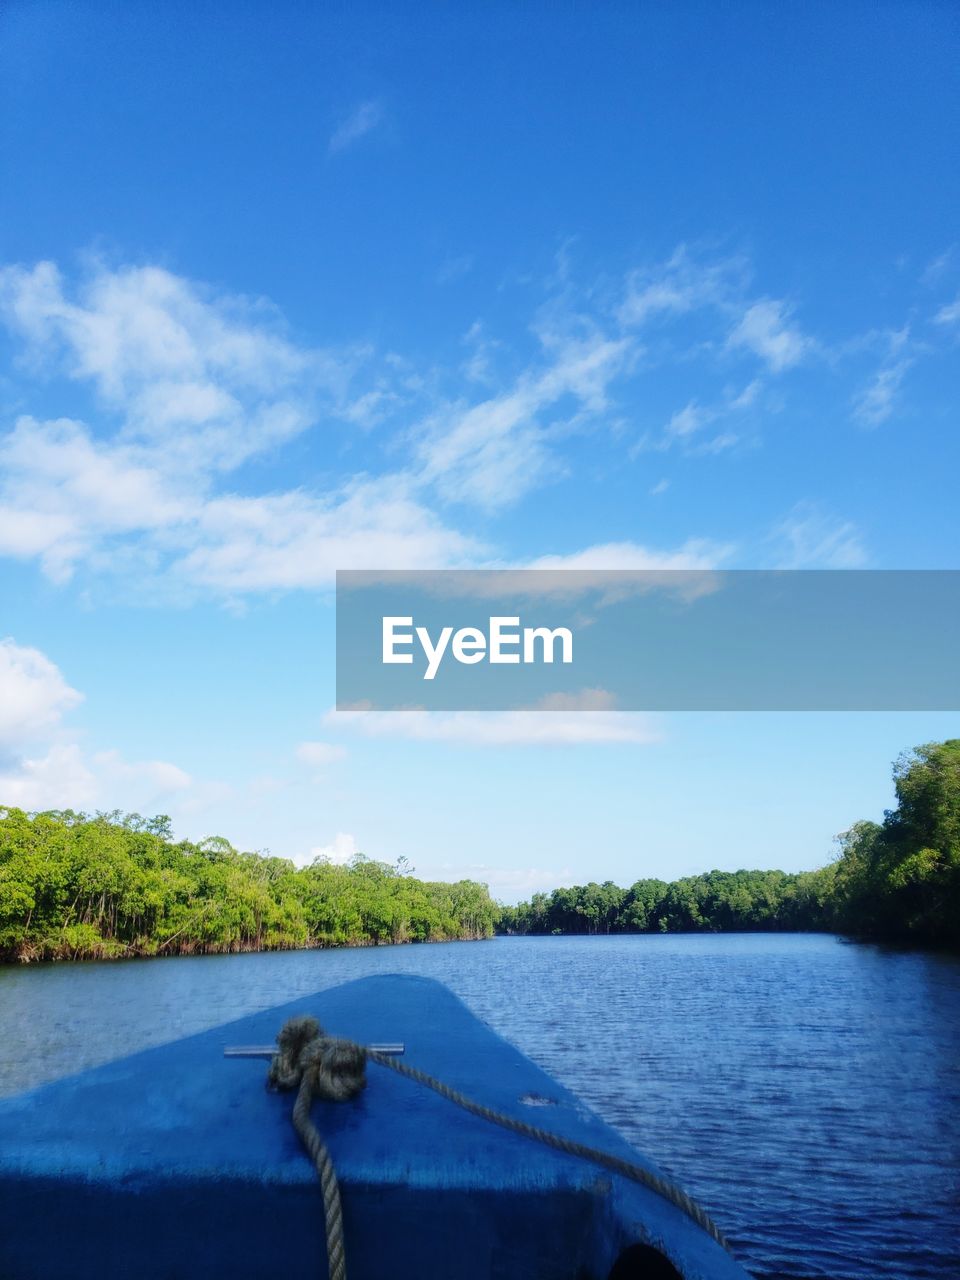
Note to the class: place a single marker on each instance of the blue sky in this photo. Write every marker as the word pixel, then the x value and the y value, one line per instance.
pixel 291 290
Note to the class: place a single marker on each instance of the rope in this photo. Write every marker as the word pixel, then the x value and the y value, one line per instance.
pixel 626 1168
pixel 333 1069
pixel 319 1067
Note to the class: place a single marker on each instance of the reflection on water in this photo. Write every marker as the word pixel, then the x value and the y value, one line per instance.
pixel 807 1091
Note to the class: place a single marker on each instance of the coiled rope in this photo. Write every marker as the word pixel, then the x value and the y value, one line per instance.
pixel 321 1066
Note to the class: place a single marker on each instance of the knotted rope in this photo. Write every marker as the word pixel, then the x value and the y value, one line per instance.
pixel 319 1067
pixel 334 1069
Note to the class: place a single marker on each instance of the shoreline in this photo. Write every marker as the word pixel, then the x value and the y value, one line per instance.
pixel 845 939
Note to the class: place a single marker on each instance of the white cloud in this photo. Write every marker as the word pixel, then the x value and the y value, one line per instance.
pixel 948 314
pixel 478 367
pixel 320 754
pixel 747 397
pixel 200 383
pixel 62 494
pixel 938 267
pixel 294 540
pixel 809 538
pixel 40 770
pixel 58 779
pixel 765 330
pixel 679 286
pixel 695 553
pixel 562 720
pixel 33 694
pixel 688 420
pixel 154 779
pixel 718 443
pixel 361 121
pixel 343 847
pixel 67 498
pixel 493 452
pixel 196 383
pixel 606 572
pixel 876 402
pixel 504 882
pixel 65 777
pixel 685 427
pixel 490 454
pixel 209 377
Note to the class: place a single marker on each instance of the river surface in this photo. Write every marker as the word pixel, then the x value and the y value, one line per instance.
pixel 806 1091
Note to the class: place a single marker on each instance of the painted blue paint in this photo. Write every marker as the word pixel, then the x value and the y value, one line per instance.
pixel 177 1162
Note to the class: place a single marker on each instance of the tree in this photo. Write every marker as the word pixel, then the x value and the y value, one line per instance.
pixel 74 886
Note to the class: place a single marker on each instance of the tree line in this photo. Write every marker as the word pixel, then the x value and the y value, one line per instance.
pixel 717 902
pixel 77 886
pixel 74 886
pixel 897 880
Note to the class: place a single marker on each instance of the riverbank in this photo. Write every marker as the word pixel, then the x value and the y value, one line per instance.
pixel 75 887
pixel 57 952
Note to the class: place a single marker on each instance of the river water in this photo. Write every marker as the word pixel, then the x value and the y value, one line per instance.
pixel 806 1091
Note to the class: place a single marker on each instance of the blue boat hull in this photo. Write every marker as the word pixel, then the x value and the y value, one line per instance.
pixel 177 1162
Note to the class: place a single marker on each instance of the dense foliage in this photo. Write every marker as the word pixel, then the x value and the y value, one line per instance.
pixel 75 886
pixel 718 901
pixel 897 880
pixel 900 879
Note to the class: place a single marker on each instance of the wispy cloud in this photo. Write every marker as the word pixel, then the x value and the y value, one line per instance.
pixel 494 451
pixel 685 428
pixel 766 330
pixel 683 284
pixel 362 120
pixel 688 420
pixel 587 718
pixel 153 484
pixel 810 538
pixel 695 553
pixel 938 267
pixel 949 314
pixel 295 540
pixel 455 268
pixel 875 402
pixel 320 754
